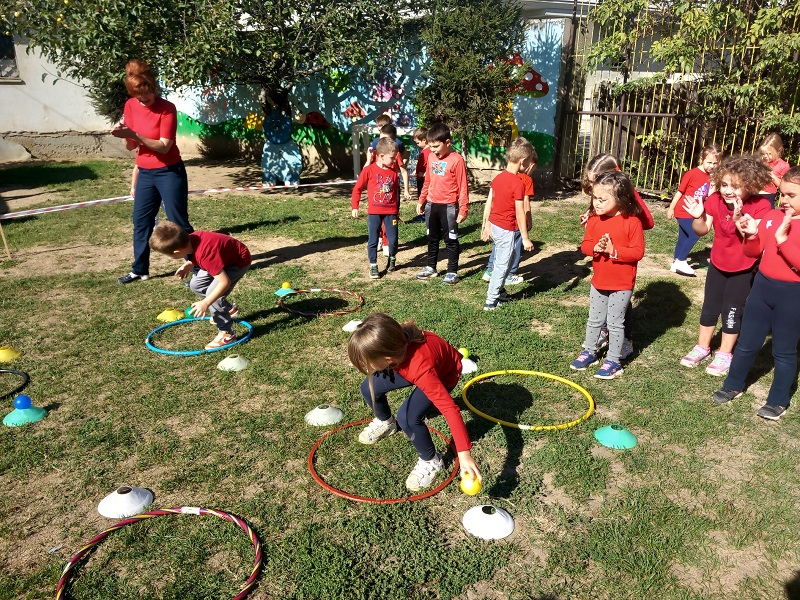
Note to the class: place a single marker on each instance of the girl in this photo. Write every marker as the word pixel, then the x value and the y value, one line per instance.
pixel 615 241
pixel 773 303
pixel 730 272
pixel 771 150
pixel 395 356
pixel 603 163
pixel 694 184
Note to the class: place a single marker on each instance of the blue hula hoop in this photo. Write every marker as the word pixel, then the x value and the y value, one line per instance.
pixel 149 343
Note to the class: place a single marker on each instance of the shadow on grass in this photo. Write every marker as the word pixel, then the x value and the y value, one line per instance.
pixel 287 253
pixel 31 176
pixel 792 587
pixel 565 267
pixel 660 307
pixel 257 225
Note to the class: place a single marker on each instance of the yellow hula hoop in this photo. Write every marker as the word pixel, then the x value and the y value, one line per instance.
pixel 556 427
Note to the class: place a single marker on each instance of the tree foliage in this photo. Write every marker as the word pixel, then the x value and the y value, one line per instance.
pixel 469 81
pixel 273 44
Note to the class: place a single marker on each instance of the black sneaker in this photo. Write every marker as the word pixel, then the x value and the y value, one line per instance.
pixel 724 395
pixel 771 412
pixel 132 277
pixel 392 266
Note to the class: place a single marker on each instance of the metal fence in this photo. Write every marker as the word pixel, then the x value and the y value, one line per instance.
pixel 651 129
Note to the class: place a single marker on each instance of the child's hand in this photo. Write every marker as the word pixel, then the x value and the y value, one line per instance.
pixel 460 219
pixel 609 246
pixel 184 270
pixel 737 210
pixel 600 246
pixel 355 213
pixel 486 234
pixel 693 207
pixel 584 218
pixel 748 226
pixel 468 465
pixel 527 244
pixel 782 232
pixel 670 213
pixel 199 309
pixel 420 209
pixel 407 196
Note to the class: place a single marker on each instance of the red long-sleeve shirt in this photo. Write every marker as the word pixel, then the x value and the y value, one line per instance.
pixel 446 182
pixel 383 190
pixel 777 262
pixel 434 366
pixel 626 235
pixel 726 250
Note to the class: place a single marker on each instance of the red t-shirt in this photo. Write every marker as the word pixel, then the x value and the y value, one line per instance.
pixel 626 234
pixel 777 262
pixel 507 190
pixel 779 168
pixel 159 120
pixel 446 182
pixel 422 161
pixel 434 366
pixel 383 190
pixel 214 251
pixel 694 183
pixel 527 183
pixel 726 250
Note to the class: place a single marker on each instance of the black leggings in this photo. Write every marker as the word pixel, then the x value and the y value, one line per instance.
pixel 726 294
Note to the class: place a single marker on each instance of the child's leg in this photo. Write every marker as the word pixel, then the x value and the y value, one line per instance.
pixel 598 308
pixel 390 225
pixel 785 335
pixel 221 308
pixel 451 238
pixel 737 287
pixel 503 243
pixel 517 256
pixel 629 320
pixel 411 419
pixel 436 222
pixel 615 318
pixel 200 282
pixel 373 230
pixel 382 382
pixel 712 305
pixel 490 264
pixel 687 238
pixel 420 183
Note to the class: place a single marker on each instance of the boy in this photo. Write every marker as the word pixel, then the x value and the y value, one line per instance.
pixel 382 121
pixel 421 140
pixel 524 175
pixel 444 201
pixel 506 218
pixel 222 260
pixel 383 203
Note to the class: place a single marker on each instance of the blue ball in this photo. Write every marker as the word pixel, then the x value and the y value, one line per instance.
pixel 22 402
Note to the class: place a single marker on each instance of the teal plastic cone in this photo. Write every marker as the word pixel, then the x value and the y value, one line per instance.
pixel 24 413
pixel 284 291
pixel 615 436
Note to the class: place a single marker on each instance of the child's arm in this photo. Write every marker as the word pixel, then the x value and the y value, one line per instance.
pixel 355 197
pixel 790 252
pixel 134 179
pixel 463 190
pixel 526 206
pixel 406 192
pixel 589 242
pixel 519 207
pixel 486 230
pixel 184 269
pixel 673 204
pixel 752 245
pixel 423 194
pixel 200 308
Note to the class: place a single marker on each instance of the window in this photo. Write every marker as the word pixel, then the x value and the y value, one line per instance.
pixel 8 58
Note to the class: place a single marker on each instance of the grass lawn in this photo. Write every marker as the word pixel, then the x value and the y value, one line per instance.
pixel 705 506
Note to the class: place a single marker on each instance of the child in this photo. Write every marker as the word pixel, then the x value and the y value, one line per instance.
pixel 383 203
pixel 223 261
pixel 527 182
pixel 421 140
pixel 390 131
pixel 382 121
pixel 773 302
pixel 615 241
pixel 730 272
pixel 394 356
pixel 444 201
pixel 506 220
pixel 771 150
pixel 599 164
pixel 695 184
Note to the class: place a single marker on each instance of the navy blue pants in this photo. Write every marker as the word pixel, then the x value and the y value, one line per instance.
pixel 374 223
pixel 441 224
pixel 169 185
pixel 410 415
pixel 771 306
pixel 687 238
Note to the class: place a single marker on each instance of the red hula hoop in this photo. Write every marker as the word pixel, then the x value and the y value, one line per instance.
pixel 357 498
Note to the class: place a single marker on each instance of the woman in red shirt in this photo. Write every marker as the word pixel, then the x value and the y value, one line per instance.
pixel 149 125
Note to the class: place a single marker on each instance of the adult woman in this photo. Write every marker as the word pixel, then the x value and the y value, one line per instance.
pixel 150 124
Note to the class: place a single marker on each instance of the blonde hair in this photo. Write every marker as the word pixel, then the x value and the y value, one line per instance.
pixel 772 142
pixel 386 145
pixel 518 151
pixel 753 174
pixel 168 237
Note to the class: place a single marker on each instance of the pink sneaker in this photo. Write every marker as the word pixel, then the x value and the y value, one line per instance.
pixel 697 355
pixel 720 365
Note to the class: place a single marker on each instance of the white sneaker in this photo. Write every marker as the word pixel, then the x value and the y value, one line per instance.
pixel 514 279
pixel 386 250
pixel 377 430
pixel 681 267
pixel 424 473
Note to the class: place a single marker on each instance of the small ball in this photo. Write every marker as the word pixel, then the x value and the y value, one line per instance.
pixel 464 352
pixel 286 285
pixel 188 312
pixel 470 485
pixel 22 402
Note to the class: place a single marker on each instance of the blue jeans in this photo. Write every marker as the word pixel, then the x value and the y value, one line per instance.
pixel 687 238
pixel 515 259
pixel 410 415
pixel 374 225
pixel 506 250
pixel 169 185
pixel 771 306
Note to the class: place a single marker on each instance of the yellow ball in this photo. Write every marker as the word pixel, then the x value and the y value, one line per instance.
pixel 286 285
pixel 470 485
pixel 464 352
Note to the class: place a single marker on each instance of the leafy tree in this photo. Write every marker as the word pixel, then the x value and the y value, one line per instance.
pixel 469 80
pixel 274 44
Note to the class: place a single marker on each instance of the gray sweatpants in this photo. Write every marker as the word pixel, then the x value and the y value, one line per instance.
pixel 203 283
pixel 606 306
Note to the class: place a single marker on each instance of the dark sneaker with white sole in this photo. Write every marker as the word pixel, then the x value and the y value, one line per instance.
pixel 132 277
pixel 724 395
pixel 772 412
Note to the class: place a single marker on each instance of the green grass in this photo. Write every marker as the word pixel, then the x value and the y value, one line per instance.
pixel 704 507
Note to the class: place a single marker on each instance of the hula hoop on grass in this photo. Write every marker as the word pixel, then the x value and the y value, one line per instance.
pixel 366 499
pixel 25 381
pixel 317 290
pixel 177 510
pixel 149 339
pixel 556 427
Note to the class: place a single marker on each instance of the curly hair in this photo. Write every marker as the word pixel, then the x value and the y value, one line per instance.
pixel 622 189
pixel 752 173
